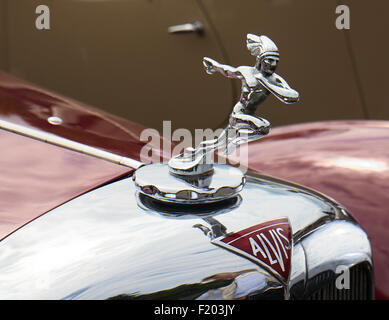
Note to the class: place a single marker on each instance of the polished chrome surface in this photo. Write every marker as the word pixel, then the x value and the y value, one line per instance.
pixel 192 172
pixel 104 245
pixel 156 180
pixel 196 27
pixel 258 82
pixel 68 144
pixel 54 120
pixel 324 256
pixel 250 284
pixel 298 272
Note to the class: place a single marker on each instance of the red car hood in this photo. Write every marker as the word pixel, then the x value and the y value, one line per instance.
pixel 345 160
pixel 35 177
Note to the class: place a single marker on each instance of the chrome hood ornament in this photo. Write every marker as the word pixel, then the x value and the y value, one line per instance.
pixel 192 177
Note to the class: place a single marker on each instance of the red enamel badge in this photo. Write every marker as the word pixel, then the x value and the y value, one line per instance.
pixel 269 244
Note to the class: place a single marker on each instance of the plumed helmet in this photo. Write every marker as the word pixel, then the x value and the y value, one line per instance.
pixel 261 46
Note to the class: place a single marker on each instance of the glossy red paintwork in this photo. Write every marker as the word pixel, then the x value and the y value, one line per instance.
pixel 29 105
pixel 345 160
pixel 35 177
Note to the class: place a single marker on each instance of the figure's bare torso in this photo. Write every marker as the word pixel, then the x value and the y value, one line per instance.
pixel 253 92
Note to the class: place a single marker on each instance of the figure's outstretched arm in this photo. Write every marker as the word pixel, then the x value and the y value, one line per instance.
pixel 279 87
pixel 212 66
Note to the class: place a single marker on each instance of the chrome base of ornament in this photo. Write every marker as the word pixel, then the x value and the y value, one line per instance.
pixel 157 181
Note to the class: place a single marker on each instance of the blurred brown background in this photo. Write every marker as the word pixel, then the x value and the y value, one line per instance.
pixel 117 55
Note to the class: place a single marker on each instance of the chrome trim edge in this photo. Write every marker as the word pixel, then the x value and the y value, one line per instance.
pixel 349 246
pixel 69 144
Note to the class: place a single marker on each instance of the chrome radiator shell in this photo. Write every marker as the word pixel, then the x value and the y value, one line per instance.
pixel 107 244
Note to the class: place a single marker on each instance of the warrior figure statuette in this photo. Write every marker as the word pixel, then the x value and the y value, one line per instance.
pixel 244 126
pixel 192 177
